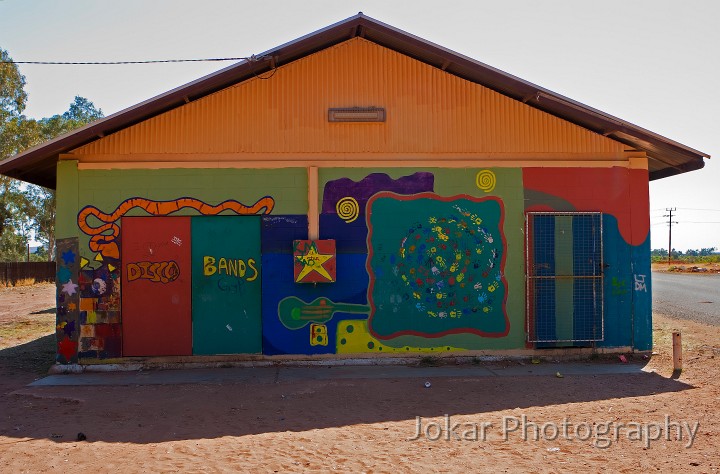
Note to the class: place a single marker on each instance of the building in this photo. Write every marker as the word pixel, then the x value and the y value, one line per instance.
pixel 357 192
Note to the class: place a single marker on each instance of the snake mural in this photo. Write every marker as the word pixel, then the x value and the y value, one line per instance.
pixel 105 243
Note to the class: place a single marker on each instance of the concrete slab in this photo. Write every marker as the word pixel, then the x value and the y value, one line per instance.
pixel 290 374
pixel 567 369
pixel 163 377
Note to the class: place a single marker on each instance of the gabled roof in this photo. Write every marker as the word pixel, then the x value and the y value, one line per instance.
pixel 666 157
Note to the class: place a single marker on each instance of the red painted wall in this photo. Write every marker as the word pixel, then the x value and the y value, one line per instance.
pixel 156 286
pixel 618 191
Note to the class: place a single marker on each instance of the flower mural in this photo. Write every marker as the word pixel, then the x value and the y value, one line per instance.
pixel 437 264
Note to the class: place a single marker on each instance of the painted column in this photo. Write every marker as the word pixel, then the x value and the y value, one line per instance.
pixel 68 264
pixel 313 212
pixel 641 284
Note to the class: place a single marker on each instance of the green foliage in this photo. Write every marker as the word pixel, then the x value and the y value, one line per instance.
pixel 41 255
pixel 42 214
pixel 703 255
pixel 28 209
pixel 81 112
pixel 12 88
pixel 704 252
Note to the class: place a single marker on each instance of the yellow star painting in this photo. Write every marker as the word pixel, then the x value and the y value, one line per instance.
pixel 314 261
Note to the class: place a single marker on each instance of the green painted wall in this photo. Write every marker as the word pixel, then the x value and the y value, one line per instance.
pixel 67 200
pixel 451 182
pixel 106 189
pixel 226 285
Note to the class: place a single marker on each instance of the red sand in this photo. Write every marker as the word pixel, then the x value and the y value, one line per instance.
pixel 364 425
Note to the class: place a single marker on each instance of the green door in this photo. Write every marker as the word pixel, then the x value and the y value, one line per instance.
pixel 226 285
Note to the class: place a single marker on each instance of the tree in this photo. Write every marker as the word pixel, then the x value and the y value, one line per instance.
pixel 26 208
pixel 14 225
pixel 42 200
pixel 12 88
pixel 81 112
pixel 12 200
pixel 41 213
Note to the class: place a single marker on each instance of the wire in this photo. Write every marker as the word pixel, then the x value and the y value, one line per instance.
pixel 252 59
pixel 696 209
pixel 150 61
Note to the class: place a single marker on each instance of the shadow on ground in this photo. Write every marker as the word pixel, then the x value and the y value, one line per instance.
pixel 34 357
pixel 159 413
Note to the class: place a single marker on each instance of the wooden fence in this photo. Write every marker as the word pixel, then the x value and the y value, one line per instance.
pixel 13 272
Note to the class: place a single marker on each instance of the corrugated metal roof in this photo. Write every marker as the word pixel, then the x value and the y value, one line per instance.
pixel 431 113
pixel 666 157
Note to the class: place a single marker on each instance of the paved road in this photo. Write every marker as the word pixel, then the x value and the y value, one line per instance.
pixel 687 296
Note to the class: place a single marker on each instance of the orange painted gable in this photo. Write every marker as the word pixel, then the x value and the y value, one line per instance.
pixel 428 112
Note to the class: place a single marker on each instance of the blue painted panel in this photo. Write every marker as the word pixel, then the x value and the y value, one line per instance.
pixel 350 237
pixel 279 231
pixel 544 265
pixel 618 286
pixel 278 283
pixel 544 245
pixel 642 296
pixel 545 311
pixel 586 291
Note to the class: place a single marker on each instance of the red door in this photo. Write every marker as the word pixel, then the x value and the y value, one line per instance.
pixel 156 286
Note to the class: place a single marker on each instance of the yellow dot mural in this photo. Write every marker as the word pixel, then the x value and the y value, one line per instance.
pixel 353 337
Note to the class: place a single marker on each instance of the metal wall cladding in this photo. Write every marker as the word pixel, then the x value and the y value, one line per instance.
pixel 226 285
pixel 156 286
pixel 428 111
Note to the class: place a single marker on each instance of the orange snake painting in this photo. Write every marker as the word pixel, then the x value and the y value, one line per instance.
pixel 105 243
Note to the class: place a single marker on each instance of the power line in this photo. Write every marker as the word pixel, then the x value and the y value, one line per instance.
pixel 687 209
pixel 696 209
pixel 685 222
pixel 149 61
pixel 670 222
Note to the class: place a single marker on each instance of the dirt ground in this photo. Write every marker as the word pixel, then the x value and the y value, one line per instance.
pixel 359 425
pixel 682 267
pixel 26 312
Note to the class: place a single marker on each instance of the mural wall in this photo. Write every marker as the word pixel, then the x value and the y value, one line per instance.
pixel 622 195
pixel 409 260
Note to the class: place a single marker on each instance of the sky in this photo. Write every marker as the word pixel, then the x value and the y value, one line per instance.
pixel 653 63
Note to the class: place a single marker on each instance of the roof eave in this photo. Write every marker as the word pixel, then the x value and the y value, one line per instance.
pixel 669 156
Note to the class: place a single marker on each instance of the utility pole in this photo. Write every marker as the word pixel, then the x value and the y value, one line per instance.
pixel 669 215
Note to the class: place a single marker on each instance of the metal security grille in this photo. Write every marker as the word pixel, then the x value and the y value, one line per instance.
pixel 564 277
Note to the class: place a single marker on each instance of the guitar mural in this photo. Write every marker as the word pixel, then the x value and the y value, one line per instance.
pixel 295 313
pixel 422 270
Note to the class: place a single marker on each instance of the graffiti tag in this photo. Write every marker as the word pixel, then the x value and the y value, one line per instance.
pixel 640 284
pixel 318 335
pixel 230 267
pixel 156 272
pixel 618 287
pixel 231 285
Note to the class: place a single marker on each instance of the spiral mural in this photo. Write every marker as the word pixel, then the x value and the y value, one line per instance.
pixel 485 180
pixel 348 209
